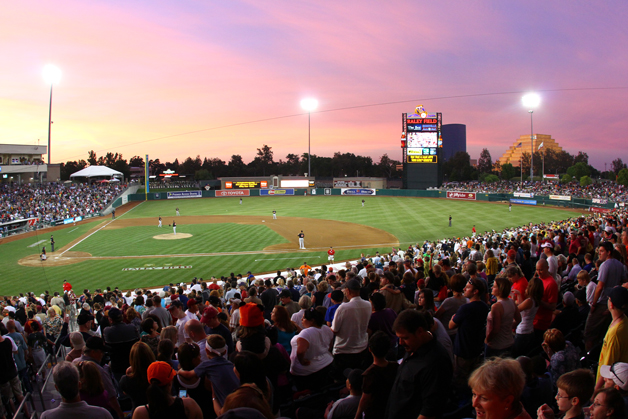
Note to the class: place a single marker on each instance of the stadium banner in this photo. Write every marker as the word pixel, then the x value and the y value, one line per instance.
pixel 185 194
pixel 357 191
pixel 523 201
pixel 294 183
pixel 327 191
pixel 600 210
pixel 276 192
pixel 347 183
pixel 237 192
pixel 72 220
pixel 622 204
pixel 556 177
pixel 599 201
pixel 470 196
pixel 560 197
pixel 523 195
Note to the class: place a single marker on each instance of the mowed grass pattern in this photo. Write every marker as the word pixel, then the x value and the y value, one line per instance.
pixel 411 220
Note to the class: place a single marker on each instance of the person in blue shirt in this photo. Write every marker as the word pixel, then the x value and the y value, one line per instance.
pixel 336 299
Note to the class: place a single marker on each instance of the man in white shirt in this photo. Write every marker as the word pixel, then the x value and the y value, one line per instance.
pixel 350 327
pixel 176 309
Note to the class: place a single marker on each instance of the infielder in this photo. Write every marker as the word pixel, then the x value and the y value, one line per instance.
pixel 363 202
pixel 301 240
pixel 174 227
pixel 330 254
pixel 52 243
pixel 274 215
pixel 159 222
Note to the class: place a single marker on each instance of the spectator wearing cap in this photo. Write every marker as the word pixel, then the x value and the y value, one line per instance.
pixel 192 311
pixel 336 299
pixel 215 327
pixel 176 310
pixel 120 337
pixel 94 351
pixel 162 314
pixel 84 321
pixel 616 376
pixel 568 317
pixel 66 379
pixel 611 273
pixel 286 300
pixel 350 327
pixel 615 347
pixel 552 261
pixel 161 403
pixel 78 343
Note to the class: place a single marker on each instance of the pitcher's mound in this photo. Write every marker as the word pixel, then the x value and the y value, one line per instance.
pixel 172 236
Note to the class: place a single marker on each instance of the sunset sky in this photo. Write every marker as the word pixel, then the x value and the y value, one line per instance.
pixel 174 79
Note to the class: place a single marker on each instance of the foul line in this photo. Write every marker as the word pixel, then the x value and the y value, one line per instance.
pixel 91 234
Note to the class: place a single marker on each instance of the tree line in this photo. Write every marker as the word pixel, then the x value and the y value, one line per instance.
pixel 264 164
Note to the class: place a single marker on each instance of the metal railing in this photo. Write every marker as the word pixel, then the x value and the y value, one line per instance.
pixel 22 406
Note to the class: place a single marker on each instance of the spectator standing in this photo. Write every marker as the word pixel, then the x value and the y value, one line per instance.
pixel 544 314
pixel 615 347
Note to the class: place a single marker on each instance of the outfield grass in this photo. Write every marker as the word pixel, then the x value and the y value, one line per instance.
pixel 411 220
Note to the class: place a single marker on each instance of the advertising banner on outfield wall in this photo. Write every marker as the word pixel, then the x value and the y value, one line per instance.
pixel 599 201
pixel 560 197
pixel 523 195
pixel 600 210
pixel 240 192
pixel 461 195
pixel 524 201
pixel 357 191
pixel 347 183
pixel 185 194
pixel 276 192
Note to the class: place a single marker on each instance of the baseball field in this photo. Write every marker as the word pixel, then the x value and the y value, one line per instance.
pixel 216 236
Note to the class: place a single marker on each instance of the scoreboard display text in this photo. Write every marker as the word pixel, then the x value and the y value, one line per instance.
pixel 246 184
pixel 421 137
pixel 412 158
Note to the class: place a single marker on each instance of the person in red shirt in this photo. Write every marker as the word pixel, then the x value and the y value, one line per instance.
pixel 473 230
pixel 66 285
pixel 519 284
pixel 543 317
pixel 330 254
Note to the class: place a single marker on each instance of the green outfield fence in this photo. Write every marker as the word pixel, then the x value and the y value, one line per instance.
pixel 581 203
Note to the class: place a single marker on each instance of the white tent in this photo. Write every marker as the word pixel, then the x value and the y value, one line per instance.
pixel 94 171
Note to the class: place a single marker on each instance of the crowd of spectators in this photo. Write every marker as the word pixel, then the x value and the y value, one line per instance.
pixel 608 190
pixel 54 201
pixel 498 321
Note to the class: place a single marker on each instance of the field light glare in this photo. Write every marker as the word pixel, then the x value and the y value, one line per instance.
pixel 309 104
pixel 531 100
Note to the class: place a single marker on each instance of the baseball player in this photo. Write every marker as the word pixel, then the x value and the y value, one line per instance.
pixel 301 240
pixel 178 211
pixel 510 207
pixel 274 215
pixel 159 222
pixel 450 221
pixel 240 201
pixel 174 227
pixel 52 243
pixel 363 202
pixel 330 254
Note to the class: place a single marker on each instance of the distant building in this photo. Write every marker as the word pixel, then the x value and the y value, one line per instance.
pixel 454 139
pixel 24 163
pixel 515 151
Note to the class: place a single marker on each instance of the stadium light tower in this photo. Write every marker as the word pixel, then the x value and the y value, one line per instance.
pixel 52 75
pixel 310 106
pixel 531 101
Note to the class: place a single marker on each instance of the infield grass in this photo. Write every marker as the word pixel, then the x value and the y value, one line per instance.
pixel 411 220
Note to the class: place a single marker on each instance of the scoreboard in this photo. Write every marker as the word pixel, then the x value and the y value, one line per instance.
pixel 421 145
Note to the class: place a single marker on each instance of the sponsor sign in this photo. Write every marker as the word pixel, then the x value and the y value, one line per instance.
pixel 523 195
pixel 347 183
pixel 158 268
pixel 327 191
pixel 551 177
pixel 125 199
pixel 71 220
pixel 297 183
pixel 357 191
pixel 246 184
pixel 276 192
pixel 33 221
pixel 600 201
pixel 241 192
pixel 411 158
pixel 422 127
pixel 523 201
pixel 470 196
pixel 185 194
pixel 600 210
pixel 560 197
pixel 622 204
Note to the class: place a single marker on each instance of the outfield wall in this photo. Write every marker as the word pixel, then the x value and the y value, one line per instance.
pixel 414 193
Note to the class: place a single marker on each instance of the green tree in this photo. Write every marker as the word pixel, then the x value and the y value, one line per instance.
pixel 508 171
pixel 202 174
pixel 578 170
pixel 490 178
pixel 387 167
pixel 566 179
pixel 585 181
pixel 622 177
pixel 136 161
pixel 581 157
pixel 91 158
pixel 617 165
pixel 485 164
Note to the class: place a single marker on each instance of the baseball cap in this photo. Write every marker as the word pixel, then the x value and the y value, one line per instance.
pixel 191 302
pixel 581 295
pixel 547 244
pixel 84 317
pixel 352 284
pixel 512 253
pixel 175 304
pixel 285 294
pixel 115 313
pixel 160 371
pixel 97 343
pixel 619 297
pixel 618 372
pixel 568 298
pixel 209 313
pixel 251 315
pixel 77 340
pixel 337 295
pixel 355 378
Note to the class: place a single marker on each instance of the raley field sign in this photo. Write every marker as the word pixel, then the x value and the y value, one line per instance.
pixel 470 196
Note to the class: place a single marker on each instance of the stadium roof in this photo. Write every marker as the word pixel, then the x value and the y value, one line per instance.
pixel 93 171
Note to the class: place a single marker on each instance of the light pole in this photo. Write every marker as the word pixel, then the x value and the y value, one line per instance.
pixel 309 105
pixel 531 101
pixel 52 75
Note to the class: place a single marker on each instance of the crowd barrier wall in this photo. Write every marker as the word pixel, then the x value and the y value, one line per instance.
pixel 583 203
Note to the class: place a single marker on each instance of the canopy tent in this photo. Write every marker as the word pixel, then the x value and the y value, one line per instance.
pixel 95 171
